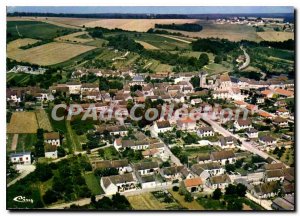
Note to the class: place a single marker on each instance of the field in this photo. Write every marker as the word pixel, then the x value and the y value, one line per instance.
pixel 26 142
pixel 16 44
pixel 43 120
pixel 145 201
pixel 147 45
pixel 93 183
pixel 22 122
pixel 36 30
pixel 194 205
pixel 227 31
pixel 276 36
pixel 76 37
pixel 48 54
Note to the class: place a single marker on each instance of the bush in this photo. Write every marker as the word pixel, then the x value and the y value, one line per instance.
pixel 188 197
pixel 50 197
pixel 217 194
pixel 175 188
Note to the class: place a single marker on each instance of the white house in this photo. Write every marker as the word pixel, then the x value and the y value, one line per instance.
pixel 267 140
pixel 204 171
pixel 274 175
pixel 186 124
pixel 50 151
pixel 221 181
pixel 252 133
pixel 223 157
pixel 21 158
pixel 242 124
pixel 172 173
pixel 205 132
pixel 196 101
pixel 160 127
pixel 52 138
pixel 265 190
pixel 118 183
pixel 227 142
pixel 121 144
pixel 146 168
pixel 281 122
pixel 74 87
pixel 121 165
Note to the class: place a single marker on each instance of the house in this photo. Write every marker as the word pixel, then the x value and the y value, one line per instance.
pixel 207 170
pixel 283 112
pixel 267 140
pixel 172 173
pixel 285 203
pixel 227 142
pixel 74 87
pixel 52 138
pixel 281 122
pixel 205 132
pixel 89 87
pixel 265 190
pixel 274 175
pixel 147 181
pixel 118 183
pixel 138 80
pixel 21 158
pixel 223 157
pixel 186 123
pixel 160 127
pixel 196 101
pixel 242 124
pixel 267 93
pixel 121 144
pixel 186 173
pixel 203 158
pixel 274 166
pixel 113 130
pixel 121 165
pixel 284 93
pixel 50 151
pixel 148 153
pixel 146 168
pixel 251 133
pixel 221 181
pixel 193 185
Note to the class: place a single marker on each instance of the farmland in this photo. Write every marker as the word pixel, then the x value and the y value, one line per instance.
pixel 276 36
pixel 36 30
pixel 147 45
pixel 48 54
pixel 22 122
pixel 76 37
pixel 43 120
pixel 93 183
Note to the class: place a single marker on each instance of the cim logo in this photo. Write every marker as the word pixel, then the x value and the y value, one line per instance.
pixel 22 199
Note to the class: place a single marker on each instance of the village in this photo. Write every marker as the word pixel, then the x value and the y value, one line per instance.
pixel 196 157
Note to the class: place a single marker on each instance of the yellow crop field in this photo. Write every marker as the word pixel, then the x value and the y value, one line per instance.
pixel 22 122
pixel 43 120
pixel 74 37
pixel 16 44
pixel 147 45
pixel 135 24
pixel 47 54
pixel 276 36
pixel 145 201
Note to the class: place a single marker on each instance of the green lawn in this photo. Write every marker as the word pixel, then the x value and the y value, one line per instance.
pixel 93 183
pixel 26 142
pixel 36 30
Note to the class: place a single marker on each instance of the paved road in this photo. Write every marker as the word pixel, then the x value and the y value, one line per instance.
pixel 248 146
pixel 247 62
pixel 24 170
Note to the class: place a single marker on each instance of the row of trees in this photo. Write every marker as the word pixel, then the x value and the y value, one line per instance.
pixel 191 27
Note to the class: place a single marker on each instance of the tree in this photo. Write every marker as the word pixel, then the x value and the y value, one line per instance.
pixel 188 197
pixel 230 167
pixel 217 194
pixel 195 81
pixel 50 197
pixel 234 205
pixel 43 171
pixel 230 190
pixel 203 59
pixel 175 188
pixel 241 190
pixel 61 152
pixel 218 59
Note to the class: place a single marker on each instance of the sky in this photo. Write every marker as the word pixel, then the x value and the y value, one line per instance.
pixel 154 9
